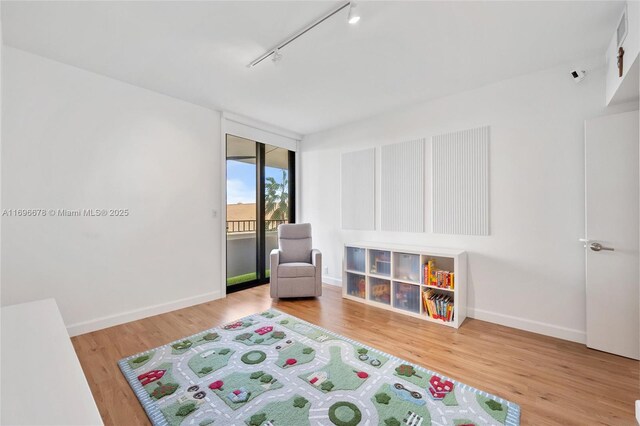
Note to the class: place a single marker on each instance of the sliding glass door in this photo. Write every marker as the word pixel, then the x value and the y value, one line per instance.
pixel 279 194
pixel 260 196
pixel 242 195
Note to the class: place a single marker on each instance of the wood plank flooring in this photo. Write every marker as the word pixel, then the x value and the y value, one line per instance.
pixel 555 382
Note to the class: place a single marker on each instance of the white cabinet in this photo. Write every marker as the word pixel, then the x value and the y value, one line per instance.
pixel 42 380
pixel 426 283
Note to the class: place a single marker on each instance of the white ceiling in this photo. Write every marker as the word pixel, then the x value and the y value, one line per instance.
pixel 400 52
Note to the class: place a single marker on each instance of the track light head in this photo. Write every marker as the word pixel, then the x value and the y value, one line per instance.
pixel 354 15
pixel 277 56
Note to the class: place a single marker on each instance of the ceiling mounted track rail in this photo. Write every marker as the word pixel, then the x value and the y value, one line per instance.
pixel 275 51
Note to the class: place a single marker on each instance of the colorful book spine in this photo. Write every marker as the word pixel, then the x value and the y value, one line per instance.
pixel 437 305
pixel 437 278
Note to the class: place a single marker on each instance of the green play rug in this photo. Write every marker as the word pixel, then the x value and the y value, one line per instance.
pixel 273 369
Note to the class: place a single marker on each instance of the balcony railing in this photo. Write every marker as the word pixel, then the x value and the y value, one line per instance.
pixel 236 226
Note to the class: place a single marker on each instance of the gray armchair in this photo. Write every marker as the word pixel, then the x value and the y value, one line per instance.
pixel 296 268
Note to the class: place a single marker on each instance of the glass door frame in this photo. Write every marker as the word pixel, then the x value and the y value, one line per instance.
pixel 261 256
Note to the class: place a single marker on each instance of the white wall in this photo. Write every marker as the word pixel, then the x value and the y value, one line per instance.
pixel 1 74
pixel 529 273
pixel 72 140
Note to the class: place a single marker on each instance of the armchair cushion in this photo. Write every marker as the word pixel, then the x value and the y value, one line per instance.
pixel 296 270
pixel 295 243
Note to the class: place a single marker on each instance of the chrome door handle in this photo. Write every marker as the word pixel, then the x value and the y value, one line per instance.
pixel 599 247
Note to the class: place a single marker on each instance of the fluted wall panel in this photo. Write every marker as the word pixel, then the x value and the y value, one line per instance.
pixel 402 186
pixel 358 189
pixel 460 182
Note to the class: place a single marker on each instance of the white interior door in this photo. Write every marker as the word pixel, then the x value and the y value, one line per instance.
pixel 612 234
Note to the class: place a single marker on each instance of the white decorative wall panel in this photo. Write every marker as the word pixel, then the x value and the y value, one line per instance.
pixel 460 182
pixel 358 189
pixel 402 187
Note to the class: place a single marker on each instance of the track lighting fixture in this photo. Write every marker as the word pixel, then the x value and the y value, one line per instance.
pixel 274 52
pixel 354 15
pixel 277 56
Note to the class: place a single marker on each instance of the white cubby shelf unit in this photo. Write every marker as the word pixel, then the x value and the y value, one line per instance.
pixel 391 277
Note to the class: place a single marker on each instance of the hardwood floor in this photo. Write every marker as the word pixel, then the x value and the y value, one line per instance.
pixel 555 382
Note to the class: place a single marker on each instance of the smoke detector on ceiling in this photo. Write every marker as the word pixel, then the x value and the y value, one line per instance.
pixel 578 76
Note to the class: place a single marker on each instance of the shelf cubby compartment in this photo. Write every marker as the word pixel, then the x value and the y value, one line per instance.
pixel 442 298
pixel 356 258
pixel 356 285
pixel 407 267
pixel 406 297
pixel 380 262
pixel 440 264
pixel 380 290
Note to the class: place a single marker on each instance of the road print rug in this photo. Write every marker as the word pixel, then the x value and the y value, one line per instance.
pixel 273 369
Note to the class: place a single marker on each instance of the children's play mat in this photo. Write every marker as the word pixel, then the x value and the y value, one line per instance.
pixel 274 369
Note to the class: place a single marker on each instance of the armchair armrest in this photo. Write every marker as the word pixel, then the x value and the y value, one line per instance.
pixel 275 257
pixel 316 258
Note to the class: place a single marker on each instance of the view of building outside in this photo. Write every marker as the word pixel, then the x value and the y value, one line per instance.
pixel 241 197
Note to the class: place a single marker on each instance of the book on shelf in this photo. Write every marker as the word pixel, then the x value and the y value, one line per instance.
pixel 437 305
pixel 436 277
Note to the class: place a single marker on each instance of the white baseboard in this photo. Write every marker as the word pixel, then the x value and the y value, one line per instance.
pixel 332 281
pixel 502 319
pixel 547 329
pixel 570 334
pixel 136 314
